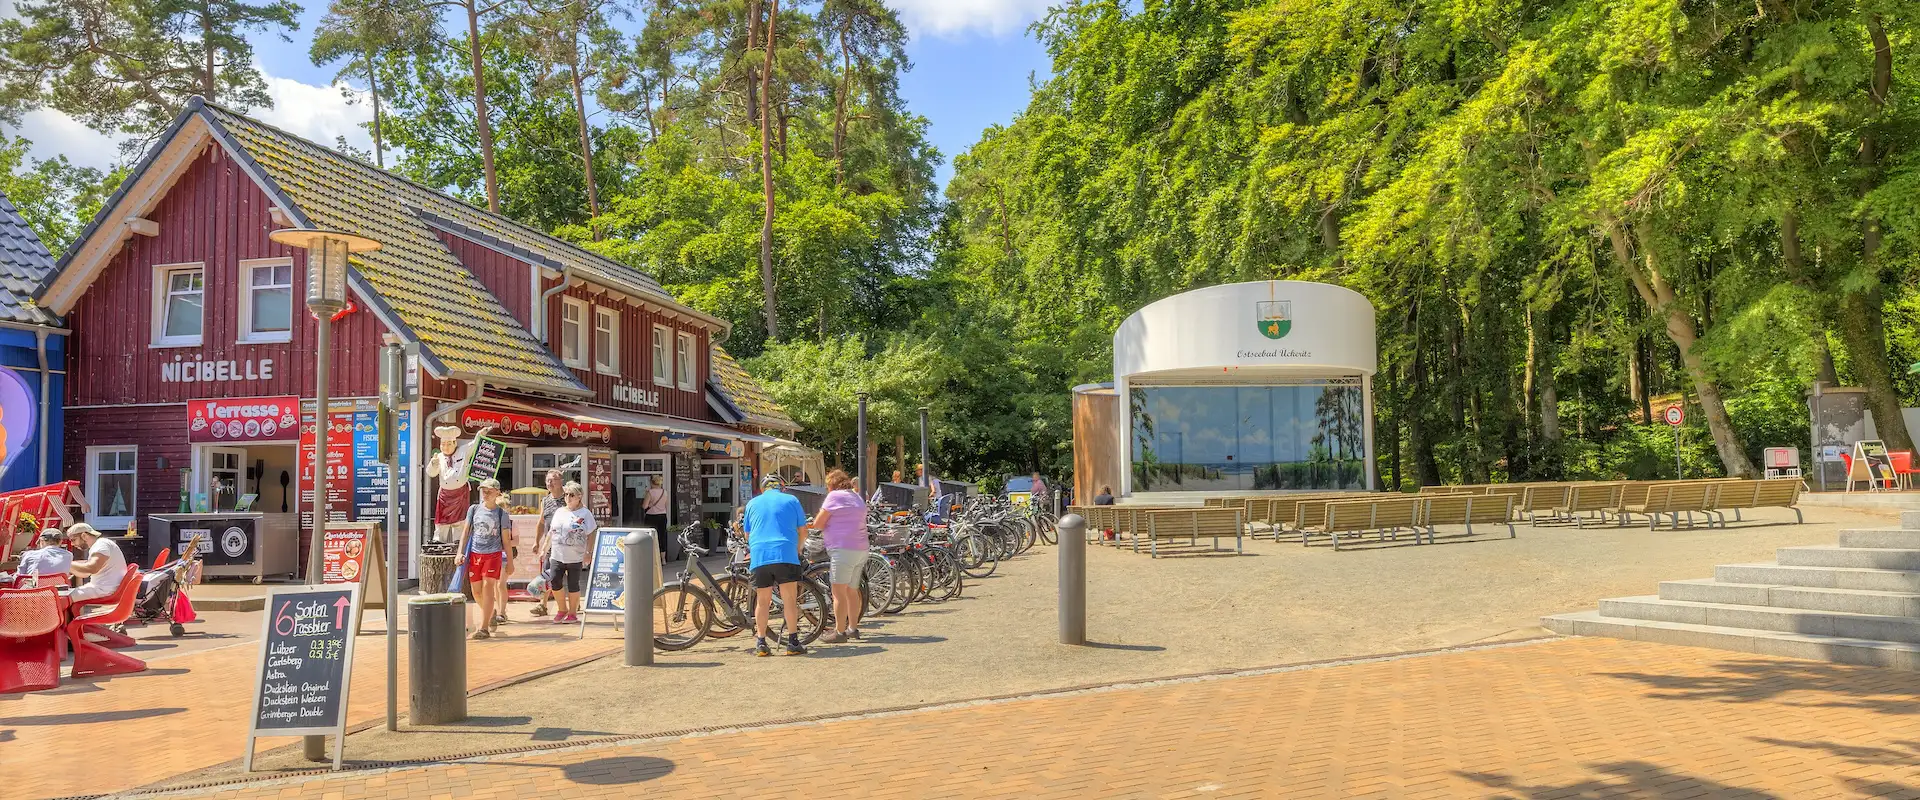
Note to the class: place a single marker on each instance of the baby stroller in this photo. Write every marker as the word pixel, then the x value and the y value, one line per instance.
pixel 162 594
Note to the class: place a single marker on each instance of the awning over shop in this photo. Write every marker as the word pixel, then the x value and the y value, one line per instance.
pixel 602 416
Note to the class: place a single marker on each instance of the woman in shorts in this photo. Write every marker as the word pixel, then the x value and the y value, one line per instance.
pixel 842 523
pixel 569 538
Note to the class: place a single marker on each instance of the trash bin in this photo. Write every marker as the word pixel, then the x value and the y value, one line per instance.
pixel 437 659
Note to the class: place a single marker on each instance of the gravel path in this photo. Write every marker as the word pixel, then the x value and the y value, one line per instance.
pixel 1280 603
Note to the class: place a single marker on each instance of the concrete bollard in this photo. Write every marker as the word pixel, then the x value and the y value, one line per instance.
pixel 437 659
pixel 643 557
pixel 1073 579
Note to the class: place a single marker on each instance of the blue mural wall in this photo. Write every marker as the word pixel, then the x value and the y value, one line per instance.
pixel 17 352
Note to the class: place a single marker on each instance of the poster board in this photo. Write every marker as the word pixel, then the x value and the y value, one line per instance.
pixel 606 577
pixel 484 460
pixel 306 664
pixel 355 553
pixel 1872 464
pixel 598 471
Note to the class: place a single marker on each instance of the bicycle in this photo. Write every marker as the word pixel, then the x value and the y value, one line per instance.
pixel 684 612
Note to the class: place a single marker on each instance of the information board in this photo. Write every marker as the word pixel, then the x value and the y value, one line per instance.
pixel 1872 464
pixel 599 472
pixel 485 461
pixel 606 579
pixel 306 662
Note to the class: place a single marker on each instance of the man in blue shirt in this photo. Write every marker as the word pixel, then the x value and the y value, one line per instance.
pixel 775 524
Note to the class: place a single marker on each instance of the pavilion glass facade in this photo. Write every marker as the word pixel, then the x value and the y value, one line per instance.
pixel 1307 436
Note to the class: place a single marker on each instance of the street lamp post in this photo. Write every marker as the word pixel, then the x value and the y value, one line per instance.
pixel 861 457
pixel 925 475
pixel 327 253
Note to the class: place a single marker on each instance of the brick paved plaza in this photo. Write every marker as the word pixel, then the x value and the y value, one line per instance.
pixel 1574 718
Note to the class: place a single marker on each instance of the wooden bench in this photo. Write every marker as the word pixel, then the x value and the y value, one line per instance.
pixel 1099 519
pixel 1455 489
pixel 1467 509
pixel 1672 498
pixel 1586 499
pixel 1357 517
pixel 1192 523
pixel 1538 497
pixel 1130 521
pixel 1771 493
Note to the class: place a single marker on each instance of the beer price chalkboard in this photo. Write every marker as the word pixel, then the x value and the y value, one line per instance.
pixel 306 660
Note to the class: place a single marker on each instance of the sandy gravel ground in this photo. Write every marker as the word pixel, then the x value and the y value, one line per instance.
pixel 1281 603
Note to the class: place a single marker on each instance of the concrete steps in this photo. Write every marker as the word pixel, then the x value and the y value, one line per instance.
pixel 1896 655
pixel 1855 603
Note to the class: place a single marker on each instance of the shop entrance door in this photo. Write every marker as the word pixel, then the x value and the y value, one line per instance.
pixel 226 471
pixel 634 473
pixel 717 496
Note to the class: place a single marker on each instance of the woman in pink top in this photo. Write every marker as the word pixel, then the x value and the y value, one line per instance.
pixel 842 523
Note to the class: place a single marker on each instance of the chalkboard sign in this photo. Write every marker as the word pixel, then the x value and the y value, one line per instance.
pixel 607 578
pixel 485 462
pixel 306 660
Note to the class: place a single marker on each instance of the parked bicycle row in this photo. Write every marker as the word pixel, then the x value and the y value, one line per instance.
pixel 796 581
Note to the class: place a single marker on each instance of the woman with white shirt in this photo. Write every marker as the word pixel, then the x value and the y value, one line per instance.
pixel 570 546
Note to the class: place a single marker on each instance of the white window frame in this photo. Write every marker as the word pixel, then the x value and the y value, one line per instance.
pixel 205 468
pixel 537 475
pixel 608 362
pixel 247 334
pixel 662 356
pixel 579 326
pixel 160 274
pixel 98 498
pixel 686 347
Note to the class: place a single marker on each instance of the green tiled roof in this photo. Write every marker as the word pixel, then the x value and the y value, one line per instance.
pixel 747 394
pixel 455 317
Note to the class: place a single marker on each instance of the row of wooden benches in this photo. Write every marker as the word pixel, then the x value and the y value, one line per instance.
pixel 1654 499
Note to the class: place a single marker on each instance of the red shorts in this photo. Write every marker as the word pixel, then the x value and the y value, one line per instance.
pixel 483 566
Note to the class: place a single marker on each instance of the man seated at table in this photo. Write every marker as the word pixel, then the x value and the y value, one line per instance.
pixel 104 562
pixel 49 559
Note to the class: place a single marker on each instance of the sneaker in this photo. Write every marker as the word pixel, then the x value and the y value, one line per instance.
pixel 559 619
pixel 572 617
pixel 834 637
pixel 854 633
pixel 793 646
pixel 761 648
pixel 481 634
pixel 539 611
pixel 499 619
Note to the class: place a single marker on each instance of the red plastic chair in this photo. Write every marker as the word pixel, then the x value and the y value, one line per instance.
pixel 1902 466
pixel 30 640
pixel 90 658
pixel 58 580
pixel 160 559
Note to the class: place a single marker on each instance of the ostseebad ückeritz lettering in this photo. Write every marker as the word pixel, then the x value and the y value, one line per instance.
pixel 1274 354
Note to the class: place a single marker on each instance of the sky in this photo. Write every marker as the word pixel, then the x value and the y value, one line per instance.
pixel 973 64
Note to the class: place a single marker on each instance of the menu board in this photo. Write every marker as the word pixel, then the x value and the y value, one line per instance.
pixel 606 581
pixel 343 553
pixel 486 458
pixel 306 660
pixel 1879 465
pixel 339 468
pixel 600 483
pixel 369 473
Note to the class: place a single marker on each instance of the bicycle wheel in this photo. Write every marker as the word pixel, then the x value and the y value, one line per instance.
pixel 876 583
pixel 906 583
pixel 739 591
pixel 1049 534
pixel 977 558
pixel 943 576
pixel 812 617
pixel 681 616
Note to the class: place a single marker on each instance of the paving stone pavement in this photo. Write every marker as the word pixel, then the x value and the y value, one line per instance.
pixel 190 711
pixel 1579 718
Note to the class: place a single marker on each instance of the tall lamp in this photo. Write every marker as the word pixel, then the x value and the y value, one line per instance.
pixel 327 253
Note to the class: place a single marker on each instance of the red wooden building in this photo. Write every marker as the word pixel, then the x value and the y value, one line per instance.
pixel 189 327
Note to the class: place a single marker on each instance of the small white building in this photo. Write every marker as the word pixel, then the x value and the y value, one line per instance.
pixel 1247 387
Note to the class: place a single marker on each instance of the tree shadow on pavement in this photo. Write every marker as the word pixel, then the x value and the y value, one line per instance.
pixel 1844 686
pixel 1637 779
pixel 1138 648
pixel 90 717
pixel 611 771
pixel 844 651
pixel 1902 754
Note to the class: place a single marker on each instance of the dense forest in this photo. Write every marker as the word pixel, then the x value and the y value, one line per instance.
pixel 1567 212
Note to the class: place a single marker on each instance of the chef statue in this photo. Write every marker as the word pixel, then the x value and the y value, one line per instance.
pixel 450 466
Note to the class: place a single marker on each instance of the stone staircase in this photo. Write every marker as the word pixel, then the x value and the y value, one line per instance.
pixel 1858 603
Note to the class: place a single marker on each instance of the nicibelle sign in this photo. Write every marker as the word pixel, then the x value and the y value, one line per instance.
pixel 184 370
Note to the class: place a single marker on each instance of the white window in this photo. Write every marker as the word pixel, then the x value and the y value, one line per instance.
pixel 539 460
pixel 111 485
pixel 179 300
pixel 606 340
pixel 687 362
pixel 266 301
pixel 573 332
pixel 662 356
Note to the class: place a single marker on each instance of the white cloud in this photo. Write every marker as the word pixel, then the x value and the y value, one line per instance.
pixel 958 17
pixel 318 113
pixel 55 134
